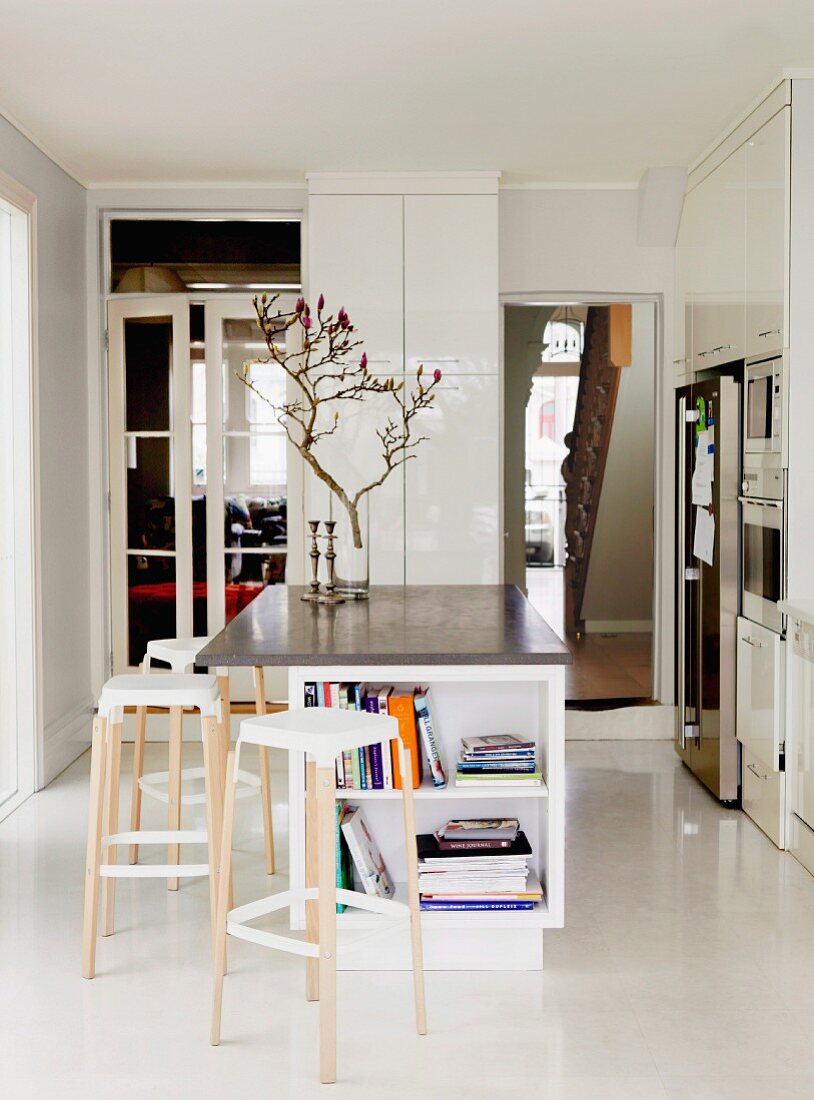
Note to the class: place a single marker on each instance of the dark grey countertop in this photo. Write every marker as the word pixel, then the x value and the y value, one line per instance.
pixel 412 624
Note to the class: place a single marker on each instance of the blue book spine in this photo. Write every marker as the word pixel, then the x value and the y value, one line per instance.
pixel 376 771
pixel 474 906
pixel 320 694
pixel 362 772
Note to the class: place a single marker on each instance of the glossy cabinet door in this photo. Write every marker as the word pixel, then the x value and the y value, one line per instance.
pixel 451 318
pixel 760 692
pixel 356 260
pixel 452 489
pixel 719 270
pixel 682 315
pixel 766 222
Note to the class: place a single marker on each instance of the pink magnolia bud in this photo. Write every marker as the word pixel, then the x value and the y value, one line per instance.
pixel 306 321
pixel 363 361
pixel 321 301
pixel 341 316
pixel 300 306
pixel 436 375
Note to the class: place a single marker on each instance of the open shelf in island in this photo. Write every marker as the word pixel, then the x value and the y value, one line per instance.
pixel 466 700
pixel 440 794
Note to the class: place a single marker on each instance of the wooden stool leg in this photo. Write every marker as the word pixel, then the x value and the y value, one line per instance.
pixel 214 810
pixel 138 772
pixel 111 825
pixel 94 846
pixel 226 738
pixel 174 786
pixel 265 775
pixel 411 855
pixel 223 903
pixel 311 879
pixel 326 843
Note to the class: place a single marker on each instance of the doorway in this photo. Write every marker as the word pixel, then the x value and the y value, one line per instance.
pixel 579 485
pixel 18 664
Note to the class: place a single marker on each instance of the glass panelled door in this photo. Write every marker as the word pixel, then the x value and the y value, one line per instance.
pixel 201 472
pixel 150 473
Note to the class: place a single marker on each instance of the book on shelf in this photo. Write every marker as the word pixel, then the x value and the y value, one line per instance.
pixel 344 874
pixel 429 737
pixel 498 760
pixel 496 742
pixel 479 828
pixel 400 705
pixel 474 879
pixel 367 858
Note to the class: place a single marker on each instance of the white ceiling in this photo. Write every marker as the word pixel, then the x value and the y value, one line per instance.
pixel 252 91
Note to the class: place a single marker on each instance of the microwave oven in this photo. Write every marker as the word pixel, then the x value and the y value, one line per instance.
pixel 765 413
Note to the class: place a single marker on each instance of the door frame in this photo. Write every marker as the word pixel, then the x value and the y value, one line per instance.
pixel 662 654
pixel 27 712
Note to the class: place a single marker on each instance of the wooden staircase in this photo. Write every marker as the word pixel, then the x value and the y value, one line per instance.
pixel 606 348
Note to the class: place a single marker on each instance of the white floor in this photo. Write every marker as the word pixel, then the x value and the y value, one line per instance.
pixel 686 970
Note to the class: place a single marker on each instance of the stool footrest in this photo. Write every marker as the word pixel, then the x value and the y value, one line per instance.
pixel 157 836
pixel 236 919
pixel 248 785
pixel 154 870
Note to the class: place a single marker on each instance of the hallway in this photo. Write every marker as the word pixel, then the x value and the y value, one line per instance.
pixel 606 666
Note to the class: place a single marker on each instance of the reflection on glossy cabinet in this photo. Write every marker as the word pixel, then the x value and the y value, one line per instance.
pixel 452 491
pixel 766 220
pixel 356 261
pixel 451 283
pixel 760 691
pixel 718 268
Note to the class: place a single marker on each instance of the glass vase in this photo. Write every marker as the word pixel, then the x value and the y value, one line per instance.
pixel 352 564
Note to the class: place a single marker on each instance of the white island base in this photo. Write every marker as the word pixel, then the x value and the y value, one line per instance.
pixel 467 700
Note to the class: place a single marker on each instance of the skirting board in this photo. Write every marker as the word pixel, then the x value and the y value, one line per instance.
pixel 65 740
pixel 647 723
pixel 618 626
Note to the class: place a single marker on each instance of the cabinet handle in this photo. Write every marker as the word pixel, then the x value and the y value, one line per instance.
pixel 677 361
pixel 443 359
pixel 753 643
pixel 770 332
pixel 754 771
pixel 724 347
pixel 701 354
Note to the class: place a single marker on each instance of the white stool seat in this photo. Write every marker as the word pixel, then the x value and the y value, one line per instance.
pixel 160 689
pixel 178 653
pixel 320 732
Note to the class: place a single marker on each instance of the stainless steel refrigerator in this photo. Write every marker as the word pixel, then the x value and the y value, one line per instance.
pixel 708 594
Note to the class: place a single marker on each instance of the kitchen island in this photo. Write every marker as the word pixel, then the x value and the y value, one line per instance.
pixel 493 666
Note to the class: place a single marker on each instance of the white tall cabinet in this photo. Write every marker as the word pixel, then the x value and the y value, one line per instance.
pixel 414 260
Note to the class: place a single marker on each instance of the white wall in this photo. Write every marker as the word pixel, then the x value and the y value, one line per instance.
pixel 579 242
pixel 65 564
pixel 619 589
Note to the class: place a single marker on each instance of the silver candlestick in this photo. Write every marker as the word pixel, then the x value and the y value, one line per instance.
pixel 330 596
pixel 313 595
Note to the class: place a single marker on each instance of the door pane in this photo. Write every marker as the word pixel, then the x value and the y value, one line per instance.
pixel 150 503
pixel 254 468
pixel 150 602
pixel 148 374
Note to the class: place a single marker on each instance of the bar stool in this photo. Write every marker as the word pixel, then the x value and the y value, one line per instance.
pixel 321 734
pixel 164 690
pixel 180 654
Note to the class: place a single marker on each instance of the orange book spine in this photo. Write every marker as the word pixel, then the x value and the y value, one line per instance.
pixel 402 708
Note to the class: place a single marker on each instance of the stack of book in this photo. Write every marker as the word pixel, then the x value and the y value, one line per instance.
pixel 475 866
pixel 376 767
pixel 498 760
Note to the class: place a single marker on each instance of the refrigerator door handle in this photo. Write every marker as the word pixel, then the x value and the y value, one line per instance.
pixel 682 572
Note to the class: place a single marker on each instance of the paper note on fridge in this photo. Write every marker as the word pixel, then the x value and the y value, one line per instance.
pixel 703 543
pixel 704 469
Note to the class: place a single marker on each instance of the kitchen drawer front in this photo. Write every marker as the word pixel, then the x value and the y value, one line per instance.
pixel 764 797
pixel 801 842
pixel 760 691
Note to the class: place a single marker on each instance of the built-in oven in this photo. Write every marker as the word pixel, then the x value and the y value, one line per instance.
pixel 763 550
pixel 765 414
